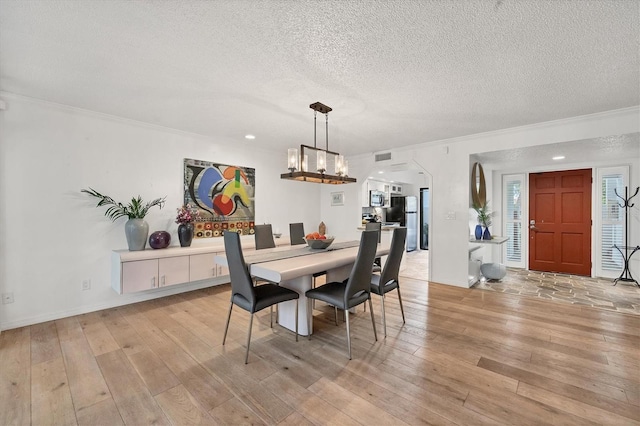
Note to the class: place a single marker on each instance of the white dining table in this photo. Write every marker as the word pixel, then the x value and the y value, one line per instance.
pixel 293 267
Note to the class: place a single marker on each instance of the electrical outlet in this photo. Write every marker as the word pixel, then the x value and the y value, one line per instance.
pixel 7 298
pixel 86 285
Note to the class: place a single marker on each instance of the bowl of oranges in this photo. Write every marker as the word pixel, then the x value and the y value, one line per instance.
pixel 316 240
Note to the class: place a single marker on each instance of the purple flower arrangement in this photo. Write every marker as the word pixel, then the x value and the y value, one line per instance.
pixel 187 214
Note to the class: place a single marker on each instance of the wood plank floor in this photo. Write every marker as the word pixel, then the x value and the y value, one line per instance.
pixel 464 357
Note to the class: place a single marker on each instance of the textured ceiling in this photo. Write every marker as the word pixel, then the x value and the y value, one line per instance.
pixel 395 72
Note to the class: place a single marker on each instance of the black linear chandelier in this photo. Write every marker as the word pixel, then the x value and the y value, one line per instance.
pixel 299 164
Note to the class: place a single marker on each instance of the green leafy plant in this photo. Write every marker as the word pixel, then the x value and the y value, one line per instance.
pixel 136 209
pixel 484 214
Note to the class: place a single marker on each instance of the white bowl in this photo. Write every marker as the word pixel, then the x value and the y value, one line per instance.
pixel 320 244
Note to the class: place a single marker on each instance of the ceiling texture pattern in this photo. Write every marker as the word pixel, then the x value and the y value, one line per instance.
pixel 396 73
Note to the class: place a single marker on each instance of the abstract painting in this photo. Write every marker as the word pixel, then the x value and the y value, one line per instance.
pixel 224 196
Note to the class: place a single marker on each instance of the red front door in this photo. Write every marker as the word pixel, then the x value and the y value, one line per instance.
pixel 560 222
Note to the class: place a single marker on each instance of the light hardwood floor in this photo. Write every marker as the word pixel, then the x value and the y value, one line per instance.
pixel 464 357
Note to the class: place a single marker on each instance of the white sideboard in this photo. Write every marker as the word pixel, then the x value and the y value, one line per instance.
pixel 133 271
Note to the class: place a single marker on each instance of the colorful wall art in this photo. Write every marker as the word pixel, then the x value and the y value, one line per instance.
pixel 223 195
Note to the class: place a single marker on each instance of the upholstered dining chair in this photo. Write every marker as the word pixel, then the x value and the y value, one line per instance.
pixel 296 233
pixel 353 291
pixel 375 226
pixel 247 296
pixel 388 280
pixel 264 236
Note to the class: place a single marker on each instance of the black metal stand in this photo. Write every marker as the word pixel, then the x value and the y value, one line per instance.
pixel 626 273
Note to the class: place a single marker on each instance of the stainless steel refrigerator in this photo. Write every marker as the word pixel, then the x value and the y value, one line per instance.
pixel 405 211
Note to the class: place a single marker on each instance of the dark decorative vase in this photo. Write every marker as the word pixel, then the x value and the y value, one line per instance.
pixel 486 235
pixel 160 240
pixel 478 232
pixel 185 234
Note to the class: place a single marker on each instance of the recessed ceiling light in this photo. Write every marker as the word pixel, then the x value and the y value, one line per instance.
pixel 251 137
pixel 558 157
pixel 380 172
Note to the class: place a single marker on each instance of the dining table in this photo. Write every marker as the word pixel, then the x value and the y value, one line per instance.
pixel 293 267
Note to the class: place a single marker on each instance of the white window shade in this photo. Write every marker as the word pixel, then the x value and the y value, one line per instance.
pixel 513 201
pixel 612 215
pixel 609 221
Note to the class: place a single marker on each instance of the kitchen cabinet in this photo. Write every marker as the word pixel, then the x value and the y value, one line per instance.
pixel 396 189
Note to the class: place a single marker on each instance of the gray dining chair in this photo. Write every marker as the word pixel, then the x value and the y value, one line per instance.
pixel 375 226
pixel 264 236
pixel 247 296
pixel 296 233
pixel 353 291
pixel 388 280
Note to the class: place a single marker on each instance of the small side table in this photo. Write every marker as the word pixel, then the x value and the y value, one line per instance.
pixel 626 272
pixel 499 267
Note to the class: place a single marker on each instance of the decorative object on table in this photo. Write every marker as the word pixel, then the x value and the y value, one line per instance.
pixel 298 162
pixel 136 229
pixel 159 240
pixel 222 194
pixel 321 242
pixel 478 232
pixel 625 275
pixel 484 220
pixel 322 229
pixel 187 214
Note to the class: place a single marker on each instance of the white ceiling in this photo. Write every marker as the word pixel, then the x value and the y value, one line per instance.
pixel 396 72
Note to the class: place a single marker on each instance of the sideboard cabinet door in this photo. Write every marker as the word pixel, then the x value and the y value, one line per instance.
pixel 173 270
pixel 139 275
pixel 202 266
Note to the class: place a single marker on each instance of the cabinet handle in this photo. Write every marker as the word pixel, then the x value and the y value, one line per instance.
pixel 162 281
pixel 153 282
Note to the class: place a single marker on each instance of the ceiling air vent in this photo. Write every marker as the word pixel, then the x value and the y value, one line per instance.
pixel 385 156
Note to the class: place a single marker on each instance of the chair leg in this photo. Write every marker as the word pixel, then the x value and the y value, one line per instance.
pixel 309 317
pixel 296 320
pixel 401 308
pixel 346 316
pixel 373 321
pixel 226 328
pixel 271 315
pixel 335 311
pixel 384 319
pixel 246 357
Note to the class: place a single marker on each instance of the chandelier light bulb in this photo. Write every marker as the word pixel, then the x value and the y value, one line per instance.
pixel 292 155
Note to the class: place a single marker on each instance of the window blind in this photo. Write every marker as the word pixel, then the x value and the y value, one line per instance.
pixel 612 215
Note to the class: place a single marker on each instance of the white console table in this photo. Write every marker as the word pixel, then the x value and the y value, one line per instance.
pixel 133 271
pixel 473 278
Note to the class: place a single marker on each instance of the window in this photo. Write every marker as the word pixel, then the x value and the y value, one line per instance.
pixel 610 220
pixel 513 201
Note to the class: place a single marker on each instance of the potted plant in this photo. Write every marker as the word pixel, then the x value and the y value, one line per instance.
pixel 187 214
pixel 484 220
pixel 136 229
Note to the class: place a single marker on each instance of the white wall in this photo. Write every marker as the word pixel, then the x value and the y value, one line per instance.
pixel 52 237
pixel 448 163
